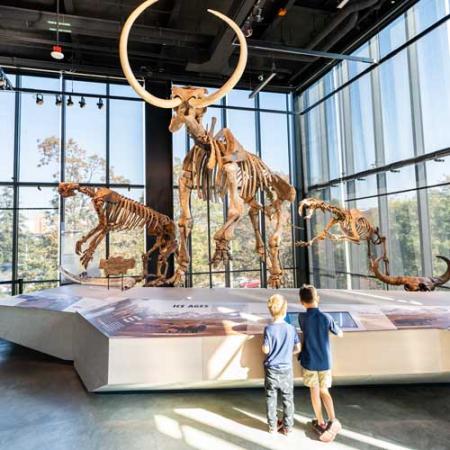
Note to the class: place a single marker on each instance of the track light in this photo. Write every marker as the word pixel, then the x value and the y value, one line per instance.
pixel 100 103
pixel 58 100
pixel 263 83
pixel 82 102
pixel 39 99
pixel 69 101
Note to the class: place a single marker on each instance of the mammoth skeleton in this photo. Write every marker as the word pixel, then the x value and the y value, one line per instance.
pixel 218 165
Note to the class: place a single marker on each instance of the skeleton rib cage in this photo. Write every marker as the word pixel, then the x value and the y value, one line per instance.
pixel 124 214
pixel 363 228
pixel 252 175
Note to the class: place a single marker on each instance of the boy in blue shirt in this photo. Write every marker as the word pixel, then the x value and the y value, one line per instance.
pixel 280 343
pixel 315 359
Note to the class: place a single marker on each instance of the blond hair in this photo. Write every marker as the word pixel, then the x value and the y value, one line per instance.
pixel 277 305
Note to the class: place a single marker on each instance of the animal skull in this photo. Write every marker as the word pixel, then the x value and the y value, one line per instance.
pixel 412 284
pixel 186 94
pixel 66 190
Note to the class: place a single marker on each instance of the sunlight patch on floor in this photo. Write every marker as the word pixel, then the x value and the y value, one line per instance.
pixel 362 438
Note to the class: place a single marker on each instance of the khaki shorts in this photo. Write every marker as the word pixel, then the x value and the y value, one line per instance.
pixel 313 378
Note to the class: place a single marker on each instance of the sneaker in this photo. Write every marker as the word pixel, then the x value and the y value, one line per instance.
pixel 319 428
pixel 279 425
pixel 286 431
pixel 333 428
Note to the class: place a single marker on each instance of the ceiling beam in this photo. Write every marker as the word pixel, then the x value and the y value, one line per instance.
pixel 222 48
pixel 22 18
pixel 178 77
pixel 34 41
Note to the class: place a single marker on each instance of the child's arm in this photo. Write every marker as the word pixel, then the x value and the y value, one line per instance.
pixel 297 345
pixel 266 347
pixel 335 329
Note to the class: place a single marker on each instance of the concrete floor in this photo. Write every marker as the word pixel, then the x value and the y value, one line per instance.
pixel 44 406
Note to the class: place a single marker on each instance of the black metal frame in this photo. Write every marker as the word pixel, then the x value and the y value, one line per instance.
pixel 158 149
pixel 418 161
pixel 16 184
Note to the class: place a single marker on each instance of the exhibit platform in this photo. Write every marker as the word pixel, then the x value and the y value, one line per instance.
pixel 180 338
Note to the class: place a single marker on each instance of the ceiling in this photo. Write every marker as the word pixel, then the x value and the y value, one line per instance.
pixel 180 41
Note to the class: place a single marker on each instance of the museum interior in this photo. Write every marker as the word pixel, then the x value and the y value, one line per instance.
pixel 168 166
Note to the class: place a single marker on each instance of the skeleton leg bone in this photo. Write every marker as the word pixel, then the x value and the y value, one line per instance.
pixel 184 227
pixel 224 235
pixel 166 249
pixel 145 260
pixel 79 244
pixel 253 212
pixel 320 237
pixel 275 270
pixel 88 254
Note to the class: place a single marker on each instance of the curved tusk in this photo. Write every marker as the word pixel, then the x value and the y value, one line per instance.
pixel 446 275
pixel 125 63
pixel 238 71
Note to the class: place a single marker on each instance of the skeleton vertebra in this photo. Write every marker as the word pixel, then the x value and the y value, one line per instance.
pixel 218 165
pixel 412 283
pixel 118 213
pixel 354 226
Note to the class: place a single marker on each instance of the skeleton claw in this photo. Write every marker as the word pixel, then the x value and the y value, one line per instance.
pixel 176 279
pixel 78 247
pixel 275 281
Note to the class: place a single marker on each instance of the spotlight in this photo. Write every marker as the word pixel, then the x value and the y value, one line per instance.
pixel 58 100
pixel 69 101
pixel 82 102
pixel 263 82
pixel 39 99
pixel 100 103
pixel 247 28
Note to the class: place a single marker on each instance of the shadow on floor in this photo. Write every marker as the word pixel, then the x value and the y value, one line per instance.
pixel 44 405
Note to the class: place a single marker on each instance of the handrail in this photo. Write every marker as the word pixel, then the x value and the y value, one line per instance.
pixel 14 282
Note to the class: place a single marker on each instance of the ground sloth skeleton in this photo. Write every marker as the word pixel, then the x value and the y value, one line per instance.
pixel 118 213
